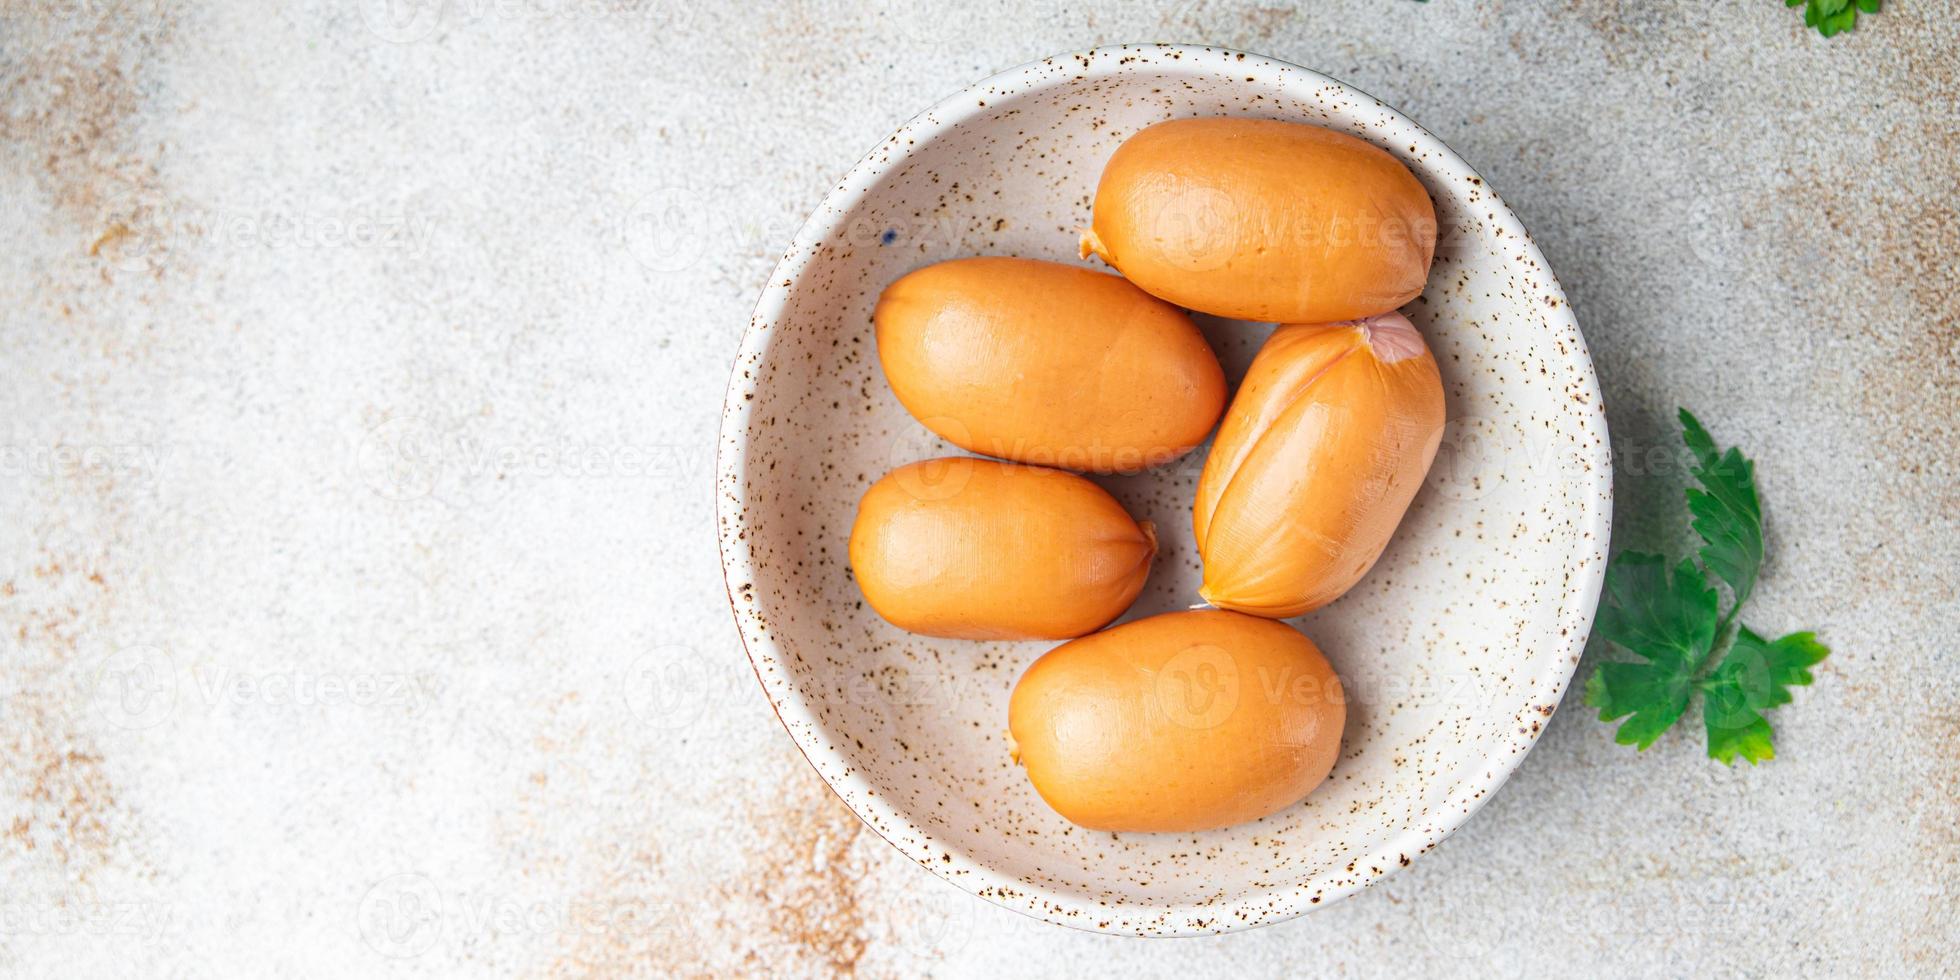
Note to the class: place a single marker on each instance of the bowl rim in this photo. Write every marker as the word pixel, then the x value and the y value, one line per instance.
pixel 794 712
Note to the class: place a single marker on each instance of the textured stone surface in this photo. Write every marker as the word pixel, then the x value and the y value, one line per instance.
pixel 357 461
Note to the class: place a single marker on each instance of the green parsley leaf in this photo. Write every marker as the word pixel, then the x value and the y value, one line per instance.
pixel 1832 17
pixel 1652 612
pixel 1753 677
pixel 1727 515
pixel 1667 618
pixel 1734 729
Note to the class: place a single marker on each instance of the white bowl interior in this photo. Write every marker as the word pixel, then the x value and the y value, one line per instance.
pixel 1454 650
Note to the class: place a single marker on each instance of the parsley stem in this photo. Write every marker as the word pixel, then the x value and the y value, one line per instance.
pixel 1722 628
pixel 1719 647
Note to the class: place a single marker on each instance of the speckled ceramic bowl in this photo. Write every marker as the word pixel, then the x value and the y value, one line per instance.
pixel 1455 649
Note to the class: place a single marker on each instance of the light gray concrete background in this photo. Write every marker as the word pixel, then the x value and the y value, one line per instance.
pixel 359 375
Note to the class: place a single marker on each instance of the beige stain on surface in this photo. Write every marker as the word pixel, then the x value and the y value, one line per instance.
pixel 58 804
pixel 1871 247
pixel 816 895
pixel 64 809
pixel 73 95
pixel 1915 253
pixel 73 77
pixel 806 895
pixel 1934 809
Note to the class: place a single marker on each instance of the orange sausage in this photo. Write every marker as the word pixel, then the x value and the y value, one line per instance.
pixel 1262 220
pixel 980 550
pixel 1048 364
pixel 1324 447
pixel 1180 722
